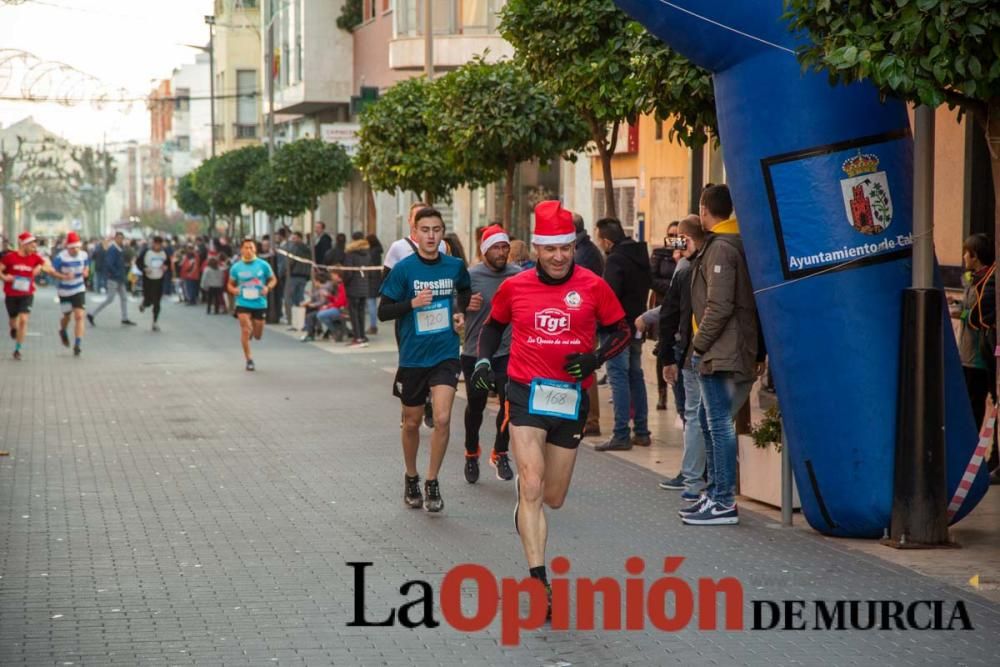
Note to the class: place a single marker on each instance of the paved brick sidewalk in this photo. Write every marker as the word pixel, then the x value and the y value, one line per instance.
pixel 162 506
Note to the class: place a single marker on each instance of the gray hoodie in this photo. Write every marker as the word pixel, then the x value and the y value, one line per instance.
pixel 485 281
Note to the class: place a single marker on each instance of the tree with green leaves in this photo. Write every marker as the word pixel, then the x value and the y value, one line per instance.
pixel 493 116
pixel 188 199
pixel 606 67
pixel 396 148
pixel 924 51
pixel 220 181
pixel 309 169
pixel 10 156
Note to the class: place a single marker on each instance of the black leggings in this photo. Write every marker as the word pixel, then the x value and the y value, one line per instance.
pixel 152 292
pixel 476 405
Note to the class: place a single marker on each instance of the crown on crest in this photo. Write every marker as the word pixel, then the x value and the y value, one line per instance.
pixel 860 164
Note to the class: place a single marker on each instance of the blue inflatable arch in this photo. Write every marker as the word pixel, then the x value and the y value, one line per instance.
pixel 821 177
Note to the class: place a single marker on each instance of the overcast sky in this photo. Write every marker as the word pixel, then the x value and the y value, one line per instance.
pixel 123 43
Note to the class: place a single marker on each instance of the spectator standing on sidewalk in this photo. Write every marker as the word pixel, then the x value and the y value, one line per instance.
pixel 298 275
pixel 190 274
pixel 589 256
pixel 116 273
pixel 374 282
pixel 213 281
pixel 627 273
pixel 724 351
pixel 663 264
pixel 356 282
pixel 336 254
pixel 977 336
pixel 675 346
pixel 323 242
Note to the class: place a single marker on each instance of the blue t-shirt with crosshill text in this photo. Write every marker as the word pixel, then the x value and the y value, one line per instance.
pixel 251 279
pixel 426 335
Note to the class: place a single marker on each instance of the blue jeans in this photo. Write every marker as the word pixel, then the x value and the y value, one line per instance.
pixel 628 392
pixel 693 461
pixel 328 317
pixel 721 398
pixel 372 312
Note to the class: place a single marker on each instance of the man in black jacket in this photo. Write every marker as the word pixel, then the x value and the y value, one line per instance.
pixel 627 272
pixel 587 254
pixel 323 242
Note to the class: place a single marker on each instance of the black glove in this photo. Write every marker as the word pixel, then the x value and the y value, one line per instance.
pixel 581 366
pixel 483 378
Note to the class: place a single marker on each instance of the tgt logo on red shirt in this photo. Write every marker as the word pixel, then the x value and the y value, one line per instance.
pixel 552 321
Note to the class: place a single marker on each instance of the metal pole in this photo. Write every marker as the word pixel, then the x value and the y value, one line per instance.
pixel 428 40
pixel 786 481
pixel 923 195
pixel 269 60
pixel 210 20
pixel 920 502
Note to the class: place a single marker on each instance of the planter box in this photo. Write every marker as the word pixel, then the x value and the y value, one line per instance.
pixel 760 474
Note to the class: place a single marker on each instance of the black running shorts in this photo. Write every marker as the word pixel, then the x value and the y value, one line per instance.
pixel 19 304
pixel 254 313
pixel 68 304
pixel 565 433
pixel 413 385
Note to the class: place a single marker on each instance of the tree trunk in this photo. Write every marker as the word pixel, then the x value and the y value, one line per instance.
pixel 372 218
pixel 993 144
pixel 508 194
pixel 599 133
pixel 429 199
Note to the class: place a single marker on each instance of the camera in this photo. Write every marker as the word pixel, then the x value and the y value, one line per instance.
pixel 676 243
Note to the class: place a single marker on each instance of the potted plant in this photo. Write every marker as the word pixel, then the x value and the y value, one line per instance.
pixel 760 461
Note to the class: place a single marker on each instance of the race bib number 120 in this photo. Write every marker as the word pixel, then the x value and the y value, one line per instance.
pixel 555 399
pixel 433 318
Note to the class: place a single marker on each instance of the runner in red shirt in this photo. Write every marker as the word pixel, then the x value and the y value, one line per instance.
pixel 17 272
pixel 555 312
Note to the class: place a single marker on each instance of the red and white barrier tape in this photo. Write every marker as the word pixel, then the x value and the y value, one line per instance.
pixel 980 455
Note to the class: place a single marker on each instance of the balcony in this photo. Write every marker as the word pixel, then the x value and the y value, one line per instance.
pixel 462 29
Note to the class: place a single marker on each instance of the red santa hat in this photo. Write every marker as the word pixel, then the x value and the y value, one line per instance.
pixel 24 238
pixel 73 240
pixel 553 225
pixel 492 235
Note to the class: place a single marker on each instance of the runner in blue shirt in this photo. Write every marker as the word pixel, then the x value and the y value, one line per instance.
pixel 250 279
pixel 419 292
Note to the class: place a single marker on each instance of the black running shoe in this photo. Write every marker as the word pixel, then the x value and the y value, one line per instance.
pixel 17 355
pixel 250 366
pixel 434 501
pixel 501 462
pixel 90 319
pixel 411 492
pixel 128 323
pixel 471 468
pixel 142 307
pixel 76 350
pixel 428 414
pixel 64 337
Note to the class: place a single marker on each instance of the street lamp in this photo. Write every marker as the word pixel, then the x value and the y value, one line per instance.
pixel 210 21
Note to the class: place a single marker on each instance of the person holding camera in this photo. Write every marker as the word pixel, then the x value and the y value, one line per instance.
pixel 662 266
